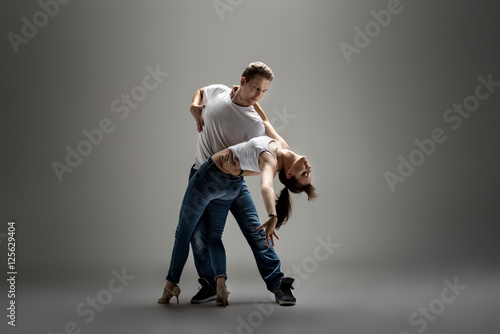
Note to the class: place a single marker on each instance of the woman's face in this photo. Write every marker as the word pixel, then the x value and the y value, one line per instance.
pixel 301 169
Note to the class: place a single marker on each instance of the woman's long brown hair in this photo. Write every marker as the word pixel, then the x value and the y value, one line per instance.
pixel 284 202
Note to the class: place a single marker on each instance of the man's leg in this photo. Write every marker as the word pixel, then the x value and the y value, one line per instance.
pixel 202 260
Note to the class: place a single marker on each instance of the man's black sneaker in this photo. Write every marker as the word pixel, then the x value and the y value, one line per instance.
pixel 284 294
pixel 205 294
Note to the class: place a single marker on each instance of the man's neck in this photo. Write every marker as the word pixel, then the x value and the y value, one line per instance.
pixel 238 101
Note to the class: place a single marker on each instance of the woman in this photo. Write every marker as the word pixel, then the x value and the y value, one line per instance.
pixel 220 178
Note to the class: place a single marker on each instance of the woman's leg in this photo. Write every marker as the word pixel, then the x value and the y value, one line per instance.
pixel 201 255
pixel 217 214
pixel 193 205
pixel 268 262
pixel 208 184
pixel 192 208
pixel 218 211
pixel 199 193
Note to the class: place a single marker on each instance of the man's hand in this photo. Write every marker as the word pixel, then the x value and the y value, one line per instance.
pixel 269 228
pixel 228 164
pixel 196 111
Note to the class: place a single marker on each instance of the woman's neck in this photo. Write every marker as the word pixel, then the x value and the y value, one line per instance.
pixel 285 157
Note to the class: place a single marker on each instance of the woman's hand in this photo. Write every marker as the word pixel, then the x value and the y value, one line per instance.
pixel 269 228
pixel 228 164
pixel 196 111
pixel 233 91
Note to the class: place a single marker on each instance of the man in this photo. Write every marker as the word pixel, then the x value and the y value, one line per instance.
pixel 223 121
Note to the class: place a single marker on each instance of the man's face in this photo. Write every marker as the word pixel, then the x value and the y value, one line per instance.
pixel 252 91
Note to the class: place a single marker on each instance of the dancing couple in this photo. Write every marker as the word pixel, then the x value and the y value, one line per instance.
pixel 235 139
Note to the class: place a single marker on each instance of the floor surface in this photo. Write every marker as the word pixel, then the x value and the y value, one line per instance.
pixel 347 300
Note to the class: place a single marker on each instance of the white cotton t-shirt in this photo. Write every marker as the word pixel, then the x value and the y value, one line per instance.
pixel 226 123
pixel 248 153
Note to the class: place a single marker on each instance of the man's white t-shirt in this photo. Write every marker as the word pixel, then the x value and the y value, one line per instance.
pixel 226 123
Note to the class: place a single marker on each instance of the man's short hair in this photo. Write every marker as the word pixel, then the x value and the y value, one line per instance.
pixel 258 68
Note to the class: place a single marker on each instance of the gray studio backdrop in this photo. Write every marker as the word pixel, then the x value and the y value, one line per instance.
pixel 395 103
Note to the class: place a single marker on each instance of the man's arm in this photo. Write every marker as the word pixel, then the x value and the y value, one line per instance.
pixel 197 107
pixel 270 131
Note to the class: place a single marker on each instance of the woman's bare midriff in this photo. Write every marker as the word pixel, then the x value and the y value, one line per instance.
pixel 216 158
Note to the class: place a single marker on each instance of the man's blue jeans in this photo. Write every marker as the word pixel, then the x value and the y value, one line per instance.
pixel 245 213
pixel 209 184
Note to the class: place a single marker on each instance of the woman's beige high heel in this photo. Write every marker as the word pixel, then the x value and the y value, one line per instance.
pixel 222 295
pixel 175 292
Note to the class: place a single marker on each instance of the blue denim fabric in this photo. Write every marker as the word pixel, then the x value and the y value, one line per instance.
pixel 208 184
pixel 245 213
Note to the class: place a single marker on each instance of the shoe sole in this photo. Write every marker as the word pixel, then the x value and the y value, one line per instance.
pixel 285 303
pixel 201 301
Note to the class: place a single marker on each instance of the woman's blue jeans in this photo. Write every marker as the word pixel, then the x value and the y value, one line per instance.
pixel 245 214
pixel 207 185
